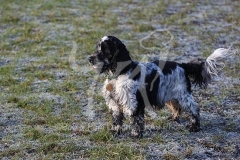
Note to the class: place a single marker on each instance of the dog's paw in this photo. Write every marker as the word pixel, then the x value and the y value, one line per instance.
pixel 176 119
pixel 116 130
pixel 136 134
pixel 193 128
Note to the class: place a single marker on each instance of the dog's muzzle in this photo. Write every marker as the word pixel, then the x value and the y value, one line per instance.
pixel 91 59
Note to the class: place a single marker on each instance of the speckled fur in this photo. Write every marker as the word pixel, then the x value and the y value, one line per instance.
pixel 135 85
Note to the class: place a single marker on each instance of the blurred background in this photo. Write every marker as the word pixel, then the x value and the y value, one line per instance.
pixel 45 103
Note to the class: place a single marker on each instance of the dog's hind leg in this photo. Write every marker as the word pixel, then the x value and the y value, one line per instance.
pixel 175 108
pixel 188 104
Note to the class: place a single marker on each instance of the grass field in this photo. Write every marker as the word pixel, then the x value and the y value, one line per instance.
pixel 51 110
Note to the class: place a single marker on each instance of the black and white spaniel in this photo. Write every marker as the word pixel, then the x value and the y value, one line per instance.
pixel 132 85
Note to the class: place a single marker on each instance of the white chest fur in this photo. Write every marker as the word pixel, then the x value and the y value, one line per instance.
pixel 120 94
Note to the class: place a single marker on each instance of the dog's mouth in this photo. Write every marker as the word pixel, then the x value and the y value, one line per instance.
pixel 100 66
pixel 97 66
pixel 94 67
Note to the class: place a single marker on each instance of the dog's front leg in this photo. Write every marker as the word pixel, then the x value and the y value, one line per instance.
pixel 117 122
pixel 137 125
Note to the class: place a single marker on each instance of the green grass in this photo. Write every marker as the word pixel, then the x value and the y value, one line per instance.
pixel 34 134
pixel 162 123
pixel 117 151
pixel 102 135
pixel 170 156
pixel 43 100
pixel 50 148
pixel 14 152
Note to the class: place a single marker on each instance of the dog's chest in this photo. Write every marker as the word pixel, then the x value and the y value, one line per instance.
pixel 120 94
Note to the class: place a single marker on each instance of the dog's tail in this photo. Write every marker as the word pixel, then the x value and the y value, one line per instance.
pixel 203 72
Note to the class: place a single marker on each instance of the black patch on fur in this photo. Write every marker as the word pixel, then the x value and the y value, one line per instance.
pixel 188 83
pixel 166 66
pixel 194 70
pixel 152 81
pixel 135 71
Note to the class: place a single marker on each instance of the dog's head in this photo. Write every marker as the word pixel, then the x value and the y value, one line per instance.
pixel 109 51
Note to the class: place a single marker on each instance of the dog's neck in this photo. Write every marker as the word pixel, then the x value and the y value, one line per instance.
pixel 121 67
pixel 130 68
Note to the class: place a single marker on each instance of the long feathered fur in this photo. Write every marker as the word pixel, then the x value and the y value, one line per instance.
pixel 203 72
pixel 213 64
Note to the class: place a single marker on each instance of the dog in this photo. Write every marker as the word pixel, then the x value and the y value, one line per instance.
pixel 131 86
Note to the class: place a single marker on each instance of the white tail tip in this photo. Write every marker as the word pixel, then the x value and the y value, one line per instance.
pixel 213 63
